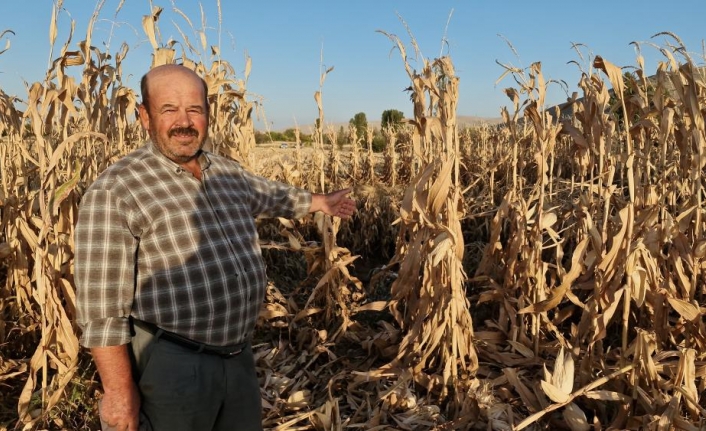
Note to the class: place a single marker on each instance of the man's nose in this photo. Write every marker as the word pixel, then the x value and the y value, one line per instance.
pixel 183 119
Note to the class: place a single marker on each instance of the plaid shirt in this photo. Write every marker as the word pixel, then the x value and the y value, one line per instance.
pixel 155 243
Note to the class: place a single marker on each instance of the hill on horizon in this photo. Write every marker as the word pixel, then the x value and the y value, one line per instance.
pixel 463 121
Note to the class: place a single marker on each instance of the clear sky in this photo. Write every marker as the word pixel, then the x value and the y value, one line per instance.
pixel 287 39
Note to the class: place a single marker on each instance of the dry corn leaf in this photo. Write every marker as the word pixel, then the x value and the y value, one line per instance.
pixel 310 311
pixel 10 368
pixel 439 191
pixel 563 375
pixel 163 56
pixel 28 234
pixel 609 260
pixel 53 32
pixel 521 349
pixel 688 311
pixel 684 425
pixel 670 413
pixel 575 418
pixel 373 306
pixel 686 379
pixel 601 321
pixel 298 400
pixel 559 293
pixel 272 311
pixel 608 396
pixel 149 26
pixel 555 394
pixel 636 278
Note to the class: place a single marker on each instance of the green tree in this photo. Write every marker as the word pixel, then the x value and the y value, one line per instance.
pixel 262 137
pixel 379 142
pixel 289 135
pixel 391 118
pixel 360 121
pixel 342 137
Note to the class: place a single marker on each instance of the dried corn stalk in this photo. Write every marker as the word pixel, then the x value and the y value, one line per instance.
pixel 428 299
pixel 610 262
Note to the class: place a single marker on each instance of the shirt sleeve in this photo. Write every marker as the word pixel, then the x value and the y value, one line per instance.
pixel 104 270
pixel 275 199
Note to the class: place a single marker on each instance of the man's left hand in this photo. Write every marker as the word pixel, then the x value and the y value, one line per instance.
pixel 336 204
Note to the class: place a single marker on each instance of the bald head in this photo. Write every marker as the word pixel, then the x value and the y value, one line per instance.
pixel 174 111
pixel 170 71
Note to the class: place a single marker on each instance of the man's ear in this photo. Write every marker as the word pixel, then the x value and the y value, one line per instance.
pixel 144 117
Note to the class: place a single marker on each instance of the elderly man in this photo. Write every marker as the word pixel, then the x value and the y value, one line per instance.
pixel 169 274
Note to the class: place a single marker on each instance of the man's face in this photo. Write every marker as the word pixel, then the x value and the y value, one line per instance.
pixel 177 120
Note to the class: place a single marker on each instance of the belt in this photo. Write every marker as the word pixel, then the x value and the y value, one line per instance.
pixel 159 333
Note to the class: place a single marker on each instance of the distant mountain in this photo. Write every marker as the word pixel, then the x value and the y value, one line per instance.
pixel 469 120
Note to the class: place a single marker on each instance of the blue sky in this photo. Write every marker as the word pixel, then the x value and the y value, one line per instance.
pixel 286 40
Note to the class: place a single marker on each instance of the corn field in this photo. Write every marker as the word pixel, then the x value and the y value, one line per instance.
pixel 544 273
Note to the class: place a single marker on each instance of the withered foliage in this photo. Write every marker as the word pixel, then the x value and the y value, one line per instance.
pixel 546 273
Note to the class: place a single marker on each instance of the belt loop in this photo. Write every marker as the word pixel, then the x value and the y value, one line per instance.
pixel 159 333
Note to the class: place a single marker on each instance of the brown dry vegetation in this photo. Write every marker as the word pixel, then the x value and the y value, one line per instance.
pixel 539 275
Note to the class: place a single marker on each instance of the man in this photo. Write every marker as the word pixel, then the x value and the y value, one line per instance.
pixel 169 274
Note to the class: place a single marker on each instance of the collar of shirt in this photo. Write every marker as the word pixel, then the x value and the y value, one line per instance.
pixel 204 158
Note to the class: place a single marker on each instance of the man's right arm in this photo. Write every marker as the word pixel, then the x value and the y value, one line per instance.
pixel 104 269
pixel 120 406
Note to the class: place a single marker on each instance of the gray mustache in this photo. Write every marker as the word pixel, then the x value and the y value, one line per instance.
pixel 183 131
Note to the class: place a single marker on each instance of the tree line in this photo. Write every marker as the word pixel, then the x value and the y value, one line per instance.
pixel 391 118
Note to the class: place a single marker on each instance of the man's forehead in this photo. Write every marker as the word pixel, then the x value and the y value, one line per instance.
pixel 167 69
pixel 171 74
pixel 164 84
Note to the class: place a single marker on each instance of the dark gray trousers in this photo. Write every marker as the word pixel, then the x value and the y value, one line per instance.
pixel 189 391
